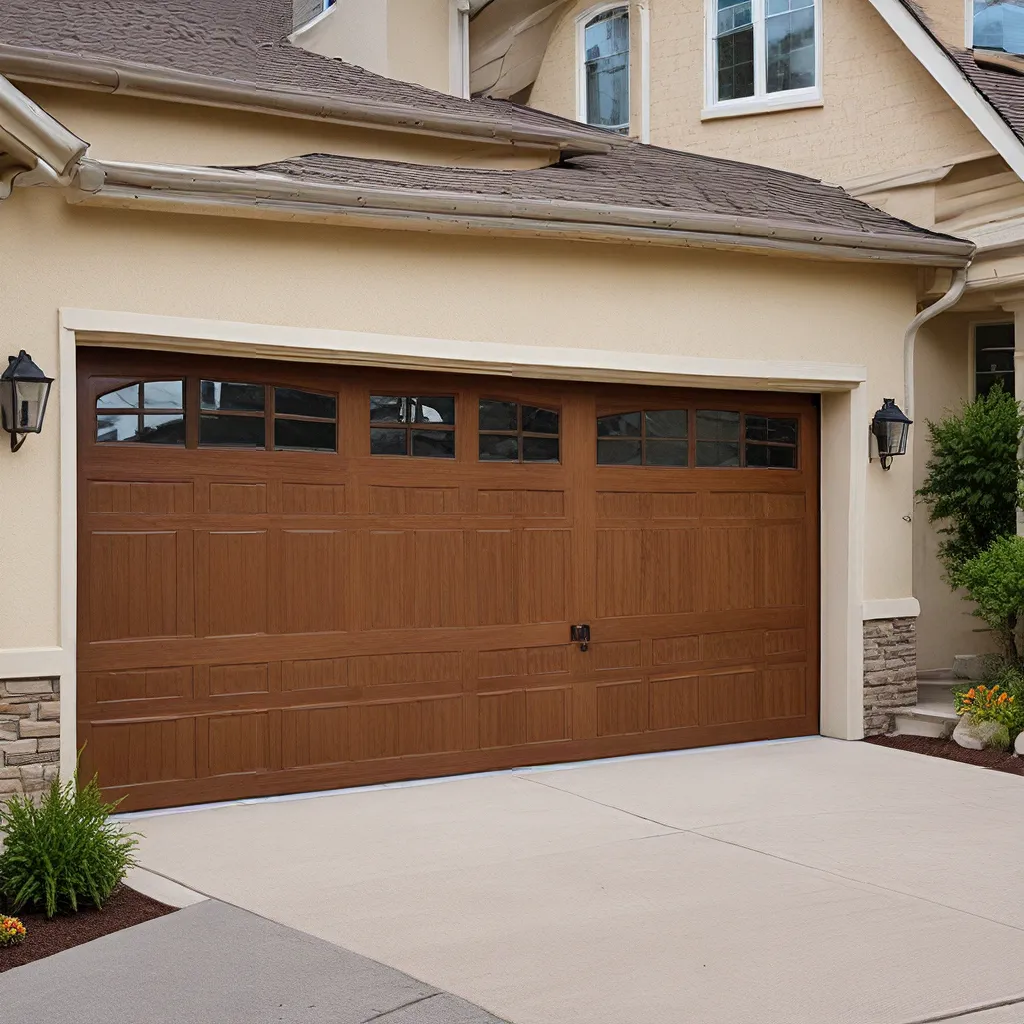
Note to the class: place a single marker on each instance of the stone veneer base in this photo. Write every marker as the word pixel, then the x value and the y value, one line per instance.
pixel 29 735
pixel 890 671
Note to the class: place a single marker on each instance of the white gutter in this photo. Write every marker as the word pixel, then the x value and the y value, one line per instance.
pixel 251 193
pixel 37 133
pixel 103 75
pixel 951 298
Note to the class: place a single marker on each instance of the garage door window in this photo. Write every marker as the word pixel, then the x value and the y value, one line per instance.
pixel 151 412
pixel 419 426
pixel 653 437
pixel 232 415
pixel 771 442
pixel 510 432
pixel 305 420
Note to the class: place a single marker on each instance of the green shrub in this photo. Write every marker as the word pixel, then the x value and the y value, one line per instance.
pixel 974 474
pixel 994 580
pixel 64 853
pixel 1010 679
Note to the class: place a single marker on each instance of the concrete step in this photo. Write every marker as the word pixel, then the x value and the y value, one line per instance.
pixel 937 691
pixel 927 719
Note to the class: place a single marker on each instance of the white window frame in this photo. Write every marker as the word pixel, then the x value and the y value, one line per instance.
pixel 792 99
pixel 581 56
pixel 969 24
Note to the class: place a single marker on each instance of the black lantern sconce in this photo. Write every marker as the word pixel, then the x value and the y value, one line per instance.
pixel 890 428
pixel 24 390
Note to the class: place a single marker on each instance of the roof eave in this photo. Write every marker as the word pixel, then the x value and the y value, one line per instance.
pixel 150 82
pixel 245 193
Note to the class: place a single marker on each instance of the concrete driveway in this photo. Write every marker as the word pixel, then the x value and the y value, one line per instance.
pixel 806 881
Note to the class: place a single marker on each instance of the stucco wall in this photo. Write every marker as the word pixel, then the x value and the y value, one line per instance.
pixel 881 110
pixel 942 370
pixel 948 18
pixel 665 301
pixel 418 42
pixel 124 128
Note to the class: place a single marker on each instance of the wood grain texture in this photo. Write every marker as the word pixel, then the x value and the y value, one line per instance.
pixel 255 621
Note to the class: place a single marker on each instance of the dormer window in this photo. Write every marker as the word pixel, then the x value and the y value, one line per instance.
pixel 603 67
pixel 762 55
pixel 996 25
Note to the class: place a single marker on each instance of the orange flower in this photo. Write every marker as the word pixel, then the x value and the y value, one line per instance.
pixel 970 692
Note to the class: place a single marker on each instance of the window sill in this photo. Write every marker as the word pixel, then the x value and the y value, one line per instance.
pixel 763 105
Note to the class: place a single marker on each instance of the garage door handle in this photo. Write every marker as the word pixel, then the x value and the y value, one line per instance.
pixel 580 635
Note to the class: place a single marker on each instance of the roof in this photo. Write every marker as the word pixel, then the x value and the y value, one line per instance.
pixel 243 42
pixel 637 177
pixel 1003 89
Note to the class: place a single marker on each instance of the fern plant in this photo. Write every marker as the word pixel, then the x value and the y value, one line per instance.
pixel 65 852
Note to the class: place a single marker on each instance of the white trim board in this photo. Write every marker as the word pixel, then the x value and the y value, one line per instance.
pixel 892 608
pixel 937 62
pixel 221 337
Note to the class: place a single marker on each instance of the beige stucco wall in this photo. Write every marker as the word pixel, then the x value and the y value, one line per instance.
pixel 666 301
pixel 419 42
pixel 125 128
pixel 882 111
pixel 354 30
pixel 943 380
pixel 948 18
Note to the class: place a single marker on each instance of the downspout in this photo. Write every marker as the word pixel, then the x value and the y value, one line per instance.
pixel 951 298
pixel 645 71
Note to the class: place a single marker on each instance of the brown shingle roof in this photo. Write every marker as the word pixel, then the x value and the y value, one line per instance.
pixel 1003 90
pixel 238 41
pixel 638 177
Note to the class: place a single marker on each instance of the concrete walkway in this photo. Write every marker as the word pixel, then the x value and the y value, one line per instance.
pixel 808 881
pixel 215 964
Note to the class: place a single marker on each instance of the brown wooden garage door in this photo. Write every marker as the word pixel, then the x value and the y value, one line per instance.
pixel 304 577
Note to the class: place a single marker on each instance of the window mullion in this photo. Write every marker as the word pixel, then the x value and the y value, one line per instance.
pixel 760 49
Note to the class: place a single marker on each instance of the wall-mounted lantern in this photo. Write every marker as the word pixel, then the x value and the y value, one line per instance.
pixel 24 390
pixel 891 429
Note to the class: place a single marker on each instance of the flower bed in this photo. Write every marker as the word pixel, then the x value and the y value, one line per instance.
pixel 44 936
pixel 997 760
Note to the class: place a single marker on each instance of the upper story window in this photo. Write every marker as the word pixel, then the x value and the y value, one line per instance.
pixel 762 55
pixel 603 59
pixel 996 25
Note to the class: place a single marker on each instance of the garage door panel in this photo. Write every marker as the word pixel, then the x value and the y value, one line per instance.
pixel 729 568
pixel 139 685
pixel 309 591
pixel 135 590
pixel 730 697
pixel 313 499
pixel 142 752
pixel 620 708
pixel 543 578
pixel 784 565
pixel 492 576
pixel 255 621
pixel 521 662
pixel 238 498
pixel 315 736
pixel 416 578
pixel 231 585
pixel 237 743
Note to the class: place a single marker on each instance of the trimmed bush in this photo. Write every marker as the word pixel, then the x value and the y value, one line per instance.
pixel 973 481
pixel 65 852
pixel 994 580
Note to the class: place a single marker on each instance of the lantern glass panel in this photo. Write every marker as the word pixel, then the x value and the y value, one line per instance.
pixel 29 405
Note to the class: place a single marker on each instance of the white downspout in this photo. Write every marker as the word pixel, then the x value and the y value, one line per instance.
pixel 645 71
pixel 951 298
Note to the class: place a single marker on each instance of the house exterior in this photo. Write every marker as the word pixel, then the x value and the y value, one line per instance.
pixel 917 108
pixel 396 434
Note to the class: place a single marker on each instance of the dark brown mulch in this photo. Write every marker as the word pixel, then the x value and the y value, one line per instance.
pixel 994 759
pixel 124 908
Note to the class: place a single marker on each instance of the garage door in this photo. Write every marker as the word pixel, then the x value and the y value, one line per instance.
pixel 298 577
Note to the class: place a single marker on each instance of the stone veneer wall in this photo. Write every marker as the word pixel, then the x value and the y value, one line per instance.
pixel 29 735
pixel 890 671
